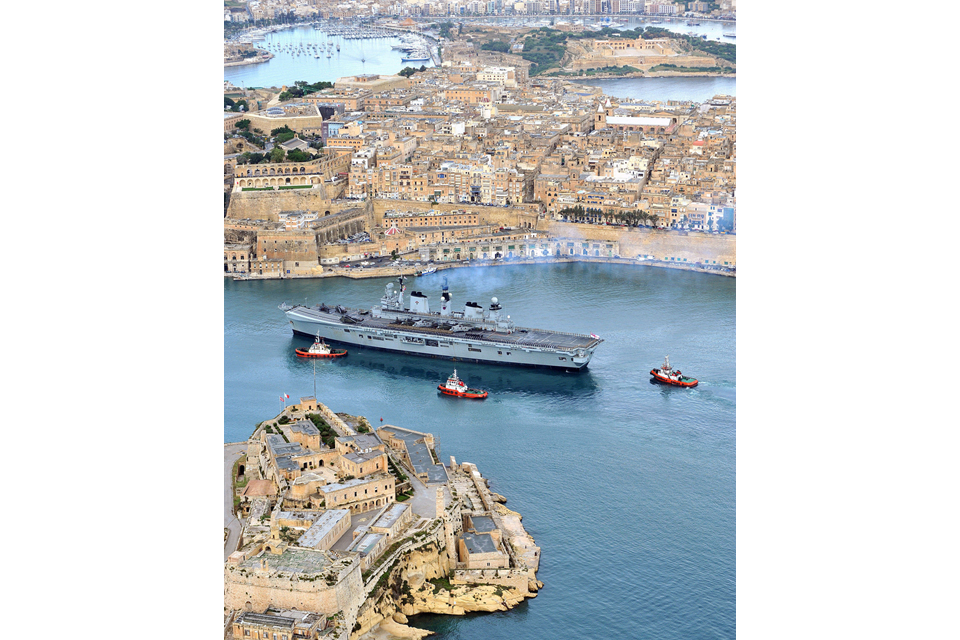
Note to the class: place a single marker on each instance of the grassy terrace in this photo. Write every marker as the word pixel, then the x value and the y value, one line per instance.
pixel 615 71
pixel 546 47
pixel 673 67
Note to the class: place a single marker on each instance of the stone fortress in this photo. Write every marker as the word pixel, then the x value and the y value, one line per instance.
pixel 342 540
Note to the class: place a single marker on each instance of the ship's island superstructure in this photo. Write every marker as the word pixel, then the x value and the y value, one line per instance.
pixel 474 334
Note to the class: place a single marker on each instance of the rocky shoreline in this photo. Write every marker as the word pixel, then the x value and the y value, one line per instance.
pixel 265 56
pixel 644 74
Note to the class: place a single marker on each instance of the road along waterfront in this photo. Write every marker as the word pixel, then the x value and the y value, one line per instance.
pixel 627 486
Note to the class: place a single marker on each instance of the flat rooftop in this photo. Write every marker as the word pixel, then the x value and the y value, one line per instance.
pixel 483 523
pixel 292 560
pixel 390 516
pixel 366 543
pixel 420 455
pixel 323 526
pixel 479 543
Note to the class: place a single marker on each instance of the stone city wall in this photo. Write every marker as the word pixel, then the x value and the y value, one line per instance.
pixel 518 215
pixel 266 205
pixel 660 244
pixel 253 590
pixel 334 420
pixel 517 579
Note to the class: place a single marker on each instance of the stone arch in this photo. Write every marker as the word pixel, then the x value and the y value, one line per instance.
pixel 248 606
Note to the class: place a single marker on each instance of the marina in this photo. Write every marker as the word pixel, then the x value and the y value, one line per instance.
pixel 327 51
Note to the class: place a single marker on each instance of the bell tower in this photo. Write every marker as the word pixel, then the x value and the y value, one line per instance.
pixel 600 118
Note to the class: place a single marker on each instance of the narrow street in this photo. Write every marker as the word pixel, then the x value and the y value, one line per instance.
pixel 230 454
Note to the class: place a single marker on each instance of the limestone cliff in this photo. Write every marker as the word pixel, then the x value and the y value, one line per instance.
pixel 419 584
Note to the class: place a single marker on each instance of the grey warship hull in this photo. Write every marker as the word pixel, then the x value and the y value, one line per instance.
pixel 484 338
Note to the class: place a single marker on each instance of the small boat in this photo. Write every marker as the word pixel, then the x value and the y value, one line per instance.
pixel 457 387
pixel 669 375
pixel 320 349
pixel 428 271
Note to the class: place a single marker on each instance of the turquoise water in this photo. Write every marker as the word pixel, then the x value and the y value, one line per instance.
pixel 627 486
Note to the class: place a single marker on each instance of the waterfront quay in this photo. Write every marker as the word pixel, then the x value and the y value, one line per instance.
pixel 333 514
pixel 478 160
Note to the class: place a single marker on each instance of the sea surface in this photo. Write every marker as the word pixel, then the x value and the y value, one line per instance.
pixel 698 89
pixel 627 486
pixel 372 55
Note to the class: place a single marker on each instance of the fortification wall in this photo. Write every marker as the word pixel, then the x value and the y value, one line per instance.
pixel 641 61
pixel 517 579
pixel 255 591
pixel 266 205
pixel 660 244
pixel 518 215
pixel 334 420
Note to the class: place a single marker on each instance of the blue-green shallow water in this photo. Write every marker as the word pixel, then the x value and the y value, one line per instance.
pixel 627 486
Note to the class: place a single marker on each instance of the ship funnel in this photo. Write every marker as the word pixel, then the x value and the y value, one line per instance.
pixel 445 309
pixel 418 302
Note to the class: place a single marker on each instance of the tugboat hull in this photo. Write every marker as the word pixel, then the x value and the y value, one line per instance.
pixel 476 394
pixel 682 382
pixel 303 353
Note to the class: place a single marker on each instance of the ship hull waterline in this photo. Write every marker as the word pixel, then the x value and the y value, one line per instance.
pixel 456 351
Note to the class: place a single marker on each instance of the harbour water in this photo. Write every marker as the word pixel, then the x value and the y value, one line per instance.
pixel 377 56
pixel 627 486
pixel 698 89
pixel 372 55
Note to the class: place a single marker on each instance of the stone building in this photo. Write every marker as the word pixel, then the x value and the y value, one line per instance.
pixel 237 257
pixel 278 625
pixel 360 464
pixel 360 494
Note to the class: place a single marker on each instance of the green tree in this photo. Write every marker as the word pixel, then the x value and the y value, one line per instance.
pixel 296 155
pixel 243 124
pixel 277 154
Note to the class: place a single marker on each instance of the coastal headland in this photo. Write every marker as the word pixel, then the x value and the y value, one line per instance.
pixel 347 531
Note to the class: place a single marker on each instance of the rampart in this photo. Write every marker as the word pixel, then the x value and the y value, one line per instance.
pixel 517 579
pixel 518 215
pixel 266 205
pixel 255 589
pixel 334 420
pixel 662 245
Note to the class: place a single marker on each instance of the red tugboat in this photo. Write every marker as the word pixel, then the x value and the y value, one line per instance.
pixel 457 387
pixel 320 349
pixel 669 375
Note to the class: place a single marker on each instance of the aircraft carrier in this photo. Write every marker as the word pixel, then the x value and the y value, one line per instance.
pixel 473 335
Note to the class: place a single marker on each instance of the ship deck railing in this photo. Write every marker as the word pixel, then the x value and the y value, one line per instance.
pixel 533 342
